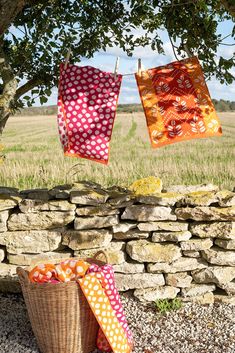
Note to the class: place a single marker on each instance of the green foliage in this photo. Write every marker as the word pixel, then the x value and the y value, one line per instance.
pixel 165 305
pixel 38 40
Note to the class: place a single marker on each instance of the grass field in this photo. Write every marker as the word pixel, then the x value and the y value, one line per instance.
pixel 34 158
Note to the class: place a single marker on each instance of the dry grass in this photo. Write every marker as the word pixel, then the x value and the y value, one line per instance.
pixel 34 156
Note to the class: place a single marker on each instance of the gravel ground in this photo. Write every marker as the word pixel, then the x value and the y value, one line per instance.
pixel 192 329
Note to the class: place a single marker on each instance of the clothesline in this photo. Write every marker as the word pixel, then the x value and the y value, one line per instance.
pixel 175 100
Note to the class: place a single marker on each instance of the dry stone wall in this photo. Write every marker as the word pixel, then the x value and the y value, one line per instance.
pixel 180 242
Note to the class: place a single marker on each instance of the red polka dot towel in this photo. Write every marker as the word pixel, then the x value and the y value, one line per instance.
pixel 87 102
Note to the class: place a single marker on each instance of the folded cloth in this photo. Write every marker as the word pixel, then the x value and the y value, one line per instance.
pixel 87 102
pixel 98 286
pixel 177 103
pixel 108 284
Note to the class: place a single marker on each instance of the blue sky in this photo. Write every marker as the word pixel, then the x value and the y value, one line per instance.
pixel 129 94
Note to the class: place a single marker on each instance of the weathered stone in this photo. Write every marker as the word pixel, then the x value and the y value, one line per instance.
pixel 114 251
pixel 121 201
pixel 152 294
pixel 36 194
pixel 7 270
pixel 198 198
pixel 146 186
pixel 61 191
pixel 34 241
pixel 223 230
pixel 31 259
pixel 226 198
pixel 101 210
pixel 129 267
pixel 160 199
pixel 86 239
pixel 225 244
pixel 88 197
pixel 214 274
pixel 207 298
pixel 28 206
pixel 8 201
pixel 124 227
pixel 2 253
pixel 138 280
pixel 197 289
pixel 143 250
pixel 229 288
pixel 3 220
pixel 196 244
pixel 95 222
pixel 171 236
pixel 10 285
pixel 222 298
pixel 132 234
pixel 185 189
pixel 165 226
pixel 117 191
pixel 218 256
pixel 206 213
pixel 190 253
pixel 9 191
pixel 40 220
pixel 180 265
pixel 148 213
pixel 180 279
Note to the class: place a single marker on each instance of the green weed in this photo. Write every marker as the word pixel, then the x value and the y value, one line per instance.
pixel 165 305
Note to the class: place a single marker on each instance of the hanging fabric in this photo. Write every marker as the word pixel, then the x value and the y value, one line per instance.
pixel 87 103
pixel 177 103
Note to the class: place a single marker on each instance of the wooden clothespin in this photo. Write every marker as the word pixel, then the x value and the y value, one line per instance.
pixel 139 67
pixel 67 58
pixel 116 68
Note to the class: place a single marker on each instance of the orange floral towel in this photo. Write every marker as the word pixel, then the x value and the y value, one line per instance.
pixel 93 285
pixel 177 103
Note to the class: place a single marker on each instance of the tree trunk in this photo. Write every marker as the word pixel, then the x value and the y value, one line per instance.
pixel 3 119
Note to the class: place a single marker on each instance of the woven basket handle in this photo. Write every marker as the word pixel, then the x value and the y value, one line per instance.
pixel 23 275
pixel 103 254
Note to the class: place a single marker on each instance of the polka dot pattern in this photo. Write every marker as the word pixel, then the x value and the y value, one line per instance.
pixel 87 105
pixel 106 277
pixel 111 337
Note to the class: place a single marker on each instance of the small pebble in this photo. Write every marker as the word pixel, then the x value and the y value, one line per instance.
pixel 192 329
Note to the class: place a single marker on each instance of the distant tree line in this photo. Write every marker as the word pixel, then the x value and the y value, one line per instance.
pixel 224 105
pixel 220 106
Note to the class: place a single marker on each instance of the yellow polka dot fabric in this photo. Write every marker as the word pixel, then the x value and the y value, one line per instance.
pixel 103 311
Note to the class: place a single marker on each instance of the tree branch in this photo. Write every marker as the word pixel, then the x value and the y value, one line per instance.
pixel 9 9
pixel 229 5
pixel 8 12
pixel 35 81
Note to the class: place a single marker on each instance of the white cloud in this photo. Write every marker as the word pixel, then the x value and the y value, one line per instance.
pixel 219 91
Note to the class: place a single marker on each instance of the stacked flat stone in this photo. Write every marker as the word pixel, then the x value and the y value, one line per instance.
pixel 178 242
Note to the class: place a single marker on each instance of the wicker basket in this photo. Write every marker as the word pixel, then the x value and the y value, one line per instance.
pixel 61 318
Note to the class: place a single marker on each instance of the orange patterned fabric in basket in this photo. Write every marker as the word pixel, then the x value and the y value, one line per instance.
pixel 177 103
pixel 114 334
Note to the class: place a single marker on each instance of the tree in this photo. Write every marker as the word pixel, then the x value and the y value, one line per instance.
pixel 36 34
